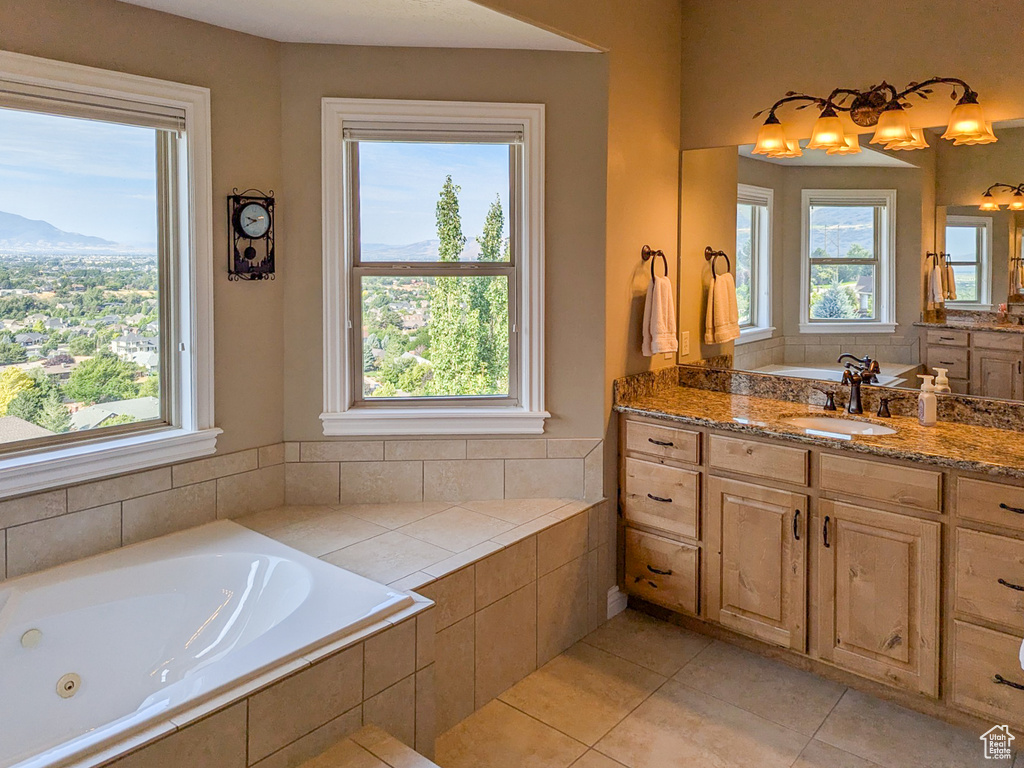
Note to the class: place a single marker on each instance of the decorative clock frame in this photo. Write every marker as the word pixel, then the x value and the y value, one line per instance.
pixel 248 263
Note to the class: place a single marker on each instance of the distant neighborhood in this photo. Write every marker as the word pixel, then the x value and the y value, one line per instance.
pixel 79 335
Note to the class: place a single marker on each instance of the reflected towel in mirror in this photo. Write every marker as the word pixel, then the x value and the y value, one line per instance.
pixel 659 325
pixel 722 322
pixel 936 294
pixel 950 283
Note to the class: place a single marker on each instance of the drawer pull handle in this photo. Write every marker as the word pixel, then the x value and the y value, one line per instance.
pixel 946 338
pixel 946 362
pixel 796 525
pixel 1008 508
pixel 658 498
pixel 652 569
pixel 663 443
pixel 1000 680
pixel 824 532
pixel 1017 587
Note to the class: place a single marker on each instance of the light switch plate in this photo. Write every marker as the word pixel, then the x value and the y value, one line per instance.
pixel 684 343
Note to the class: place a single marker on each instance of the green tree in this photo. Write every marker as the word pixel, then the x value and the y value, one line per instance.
pixel 150 386
pixel 13 382
pixel 53 415
pixel 835 302
pixel 11 353
pixel 82 346
pixel 103 379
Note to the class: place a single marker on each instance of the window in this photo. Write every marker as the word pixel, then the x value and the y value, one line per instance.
pixel 848 245
pixel 433 267
pixel 969 251
pixel 104 273
pixel 753 262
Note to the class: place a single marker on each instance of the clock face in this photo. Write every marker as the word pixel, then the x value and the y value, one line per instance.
pixel 253 220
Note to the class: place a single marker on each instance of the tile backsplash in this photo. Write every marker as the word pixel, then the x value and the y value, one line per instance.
pixel 47 529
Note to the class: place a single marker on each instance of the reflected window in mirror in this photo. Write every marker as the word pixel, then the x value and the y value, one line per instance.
pixel 754 212
pixel 969 252
pixel 847 248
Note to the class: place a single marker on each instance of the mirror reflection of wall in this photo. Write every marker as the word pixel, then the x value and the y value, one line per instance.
pixel 830 249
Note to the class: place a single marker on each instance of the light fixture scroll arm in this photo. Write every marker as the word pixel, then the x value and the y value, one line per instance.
pixel 790 97
pixel 969 95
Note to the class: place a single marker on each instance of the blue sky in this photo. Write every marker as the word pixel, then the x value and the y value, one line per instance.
pixel 399 185
pixel 81 176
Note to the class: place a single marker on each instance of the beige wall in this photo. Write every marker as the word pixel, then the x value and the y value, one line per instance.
pixel 573 87
pixel 740 56
pixel 242 75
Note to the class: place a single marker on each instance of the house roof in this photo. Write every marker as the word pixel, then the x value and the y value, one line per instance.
pixel 12 428
pixel 94 415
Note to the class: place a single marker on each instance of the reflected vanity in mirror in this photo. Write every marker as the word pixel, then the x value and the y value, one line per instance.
pixel 848 253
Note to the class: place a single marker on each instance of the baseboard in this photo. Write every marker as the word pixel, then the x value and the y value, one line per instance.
pixel 616 602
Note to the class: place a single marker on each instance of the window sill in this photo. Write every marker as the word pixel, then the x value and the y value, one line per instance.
pixel 32 472
pixel 434 421
pixel 748 335
pixel 970 305
pixel 856 329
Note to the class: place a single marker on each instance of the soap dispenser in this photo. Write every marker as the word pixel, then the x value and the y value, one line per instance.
pixel 927 406
pixel 942 380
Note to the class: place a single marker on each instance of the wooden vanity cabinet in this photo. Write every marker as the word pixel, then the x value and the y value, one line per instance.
pixel 983 363
pixel 877 585
pixel 997 373
pixel 756 544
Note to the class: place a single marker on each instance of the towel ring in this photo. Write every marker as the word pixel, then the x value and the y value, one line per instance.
pixel 710 254
pixel 649 254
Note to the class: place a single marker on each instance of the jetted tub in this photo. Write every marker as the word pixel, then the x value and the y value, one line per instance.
pixel 892 375
pixel 98 650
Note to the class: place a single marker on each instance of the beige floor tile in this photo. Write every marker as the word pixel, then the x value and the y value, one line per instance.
pixel 395 515
pixel 895 737
pixel 498 736
pixel 657 645
pixel 681 728
pixel 782 694
pixel 345 754
pixel 594 759
pixel 818 754
pixel 515 511
pixel 583 693
pixel 456 529
pixel 320 534
pixel 387 557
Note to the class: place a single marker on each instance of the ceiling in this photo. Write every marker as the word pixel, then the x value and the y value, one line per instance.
pixel 866 158
pixel 413 23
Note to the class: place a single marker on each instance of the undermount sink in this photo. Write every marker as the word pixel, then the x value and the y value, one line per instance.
pixel 839 427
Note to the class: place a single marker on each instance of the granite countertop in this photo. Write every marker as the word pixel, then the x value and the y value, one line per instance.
pixel 956 446
pixel 968 325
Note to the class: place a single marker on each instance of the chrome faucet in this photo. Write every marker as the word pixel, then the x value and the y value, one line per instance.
pixel 858 371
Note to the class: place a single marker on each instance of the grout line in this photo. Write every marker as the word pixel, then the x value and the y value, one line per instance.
pixel 846 690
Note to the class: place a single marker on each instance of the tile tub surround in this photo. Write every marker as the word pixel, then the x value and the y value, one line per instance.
pixel 533 578
pixel 642 693
pixel 391 471
pixel 369 747
pixel 382 676
pixel 997 452
pixel 47 529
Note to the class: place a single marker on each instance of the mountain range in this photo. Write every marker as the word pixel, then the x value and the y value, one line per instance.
pixel 33 235
pixel 425 250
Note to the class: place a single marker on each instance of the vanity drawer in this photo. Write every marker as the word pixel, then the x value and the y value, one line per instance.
pixel 776 462
pixel 662 497
pixel 954 359
pixel 664 442
pixel 1011 342
pixel 662 571
pixel 989 570
pixel 907 487
pixel 947 337
pixel 992 503
pixel 979 655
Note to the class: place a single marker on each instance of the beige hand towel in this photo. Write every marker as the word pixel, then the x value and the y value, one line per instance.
pixel 936 295
pixel 950 283
pixel 722 321
pixel 659 324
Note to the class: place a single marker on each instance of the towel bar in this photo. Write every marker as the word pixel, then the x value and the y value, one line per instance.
pixel 649 254
pixel 710 254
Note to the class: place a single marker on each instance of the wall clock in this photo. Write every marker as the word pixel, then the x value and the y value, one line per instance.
pixel 251 220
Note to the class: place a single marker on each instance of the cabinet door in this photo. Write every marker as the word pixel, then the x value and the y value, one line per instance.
pixel 757 575
pixel 878 595
pixel 996 373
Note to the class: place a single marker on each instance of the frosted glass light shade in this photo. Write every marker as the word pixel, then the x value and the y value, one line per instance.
pixel 917 141
pixel 988 203
pixel 1017 202
pixel 827 133
pixel 893 126
pixel 986 137
pixel 966 121
pixel 771 138
pixel 792 150
pixel 850 147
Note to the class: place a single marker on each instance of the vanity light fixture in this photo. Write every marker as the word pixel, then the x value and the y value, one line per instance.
pixel 881 107
pixel 988 202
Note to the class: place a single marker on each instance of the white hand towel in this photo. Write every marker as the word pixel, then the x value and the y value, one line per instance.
pixel 722 321
pixel 935 292
pixel 659 324
pixel 950 283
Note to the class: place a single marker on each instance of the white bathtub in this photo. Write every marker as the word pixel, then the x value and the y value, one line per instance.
pixel 892 374
pixel 158 628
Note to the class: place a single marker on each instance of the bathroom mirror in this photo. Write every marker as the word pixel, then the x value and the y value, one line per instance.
pixel 831 257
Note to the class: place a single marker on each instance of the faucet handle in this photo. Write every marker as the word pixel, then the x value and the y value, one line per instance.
pixel 830 399
pixel 883 408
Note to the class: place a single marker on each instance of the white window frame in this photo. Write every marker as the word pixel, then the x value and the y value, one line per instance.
pixel 885 320
pixel 192 433
pixel 984 227
pixel 761 275
pixel 343 414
